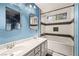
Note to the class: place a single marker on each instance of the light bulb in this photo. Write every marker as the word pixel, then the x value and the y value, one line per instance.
pixel 30 6
pixel 35 7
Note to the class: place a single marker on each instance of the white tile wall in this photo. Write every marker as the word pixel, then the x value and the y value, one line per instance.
pixel 62 45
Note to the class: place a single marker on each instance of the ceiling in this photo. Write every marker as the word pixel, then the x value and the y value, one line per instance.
pixel 45 7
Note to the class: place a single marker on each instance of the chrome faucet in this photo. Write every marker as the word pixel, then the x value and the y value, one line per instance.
pixel 11 45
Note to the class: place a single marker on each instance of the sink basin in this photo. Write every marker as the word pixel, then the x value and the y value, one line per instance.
pixel 12 52
pixel 6 54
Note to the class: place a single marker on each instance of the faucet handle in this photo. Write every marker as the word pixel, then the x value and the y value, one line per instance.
pixel 7 46
pixel 11 45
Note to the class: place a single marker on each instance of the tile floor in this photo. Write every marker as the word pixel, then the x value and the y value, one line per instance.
pixel 56 54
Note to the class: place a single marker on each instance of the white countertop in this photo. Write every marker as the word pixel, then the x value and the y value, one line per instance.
pixel 23 47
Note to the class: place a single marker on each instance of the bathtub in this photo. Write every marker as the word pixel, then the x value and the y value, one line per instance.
pixel 60 45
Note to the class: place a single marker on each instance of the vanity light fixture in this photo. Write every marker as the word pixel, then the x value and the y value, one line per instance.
pixel 32 6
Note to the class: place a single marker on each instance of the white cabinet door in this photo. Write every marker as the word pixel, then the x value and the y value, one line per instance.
pixel 44 49
pixel 37 49
pixel 38 54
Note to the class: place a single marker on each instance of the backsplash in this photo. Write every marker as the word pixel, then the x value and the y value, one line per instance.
pixel 24 32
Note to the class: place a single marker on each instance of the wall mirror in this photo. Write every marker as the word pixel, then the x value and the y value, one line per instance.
pixel 33 22
pixel 12 19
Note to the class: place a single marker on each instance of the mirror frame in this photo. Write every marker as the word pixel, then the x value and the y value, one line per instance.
pixel 6 18
pixel 37 25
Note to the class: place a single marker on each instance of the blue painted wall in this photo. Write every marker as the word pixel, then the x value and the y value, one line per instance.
pixel 25 32
pixel 76 48
pixel 2 16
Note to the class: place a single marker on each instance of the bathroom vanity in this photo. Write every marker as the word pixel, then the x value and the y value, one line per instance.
pixel 32 47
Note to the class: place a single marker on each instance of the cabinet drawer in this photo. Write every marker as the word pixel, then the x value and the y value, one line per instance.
pixel 37 49
pixel 38 54
pixel 31 53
